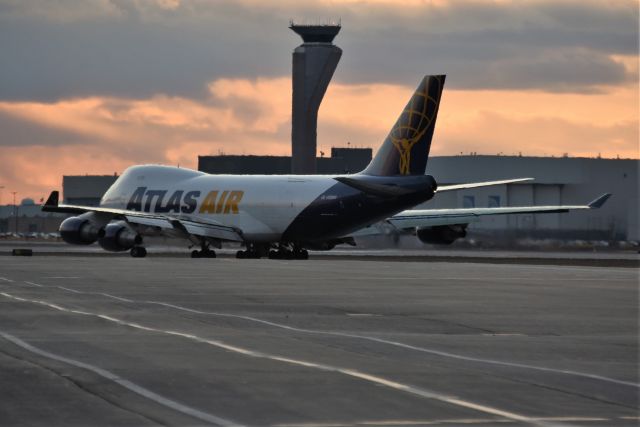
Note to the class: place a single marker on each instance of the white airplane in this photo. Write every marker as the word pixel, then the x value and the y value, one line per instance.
pixel 281 216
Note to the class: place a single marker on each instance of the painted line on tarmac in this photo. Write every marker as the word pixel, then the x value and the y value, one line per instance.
pixel 416 422
pixel 4 279
pixel 131 386
pixel 535 279
pixel 396 423
pixel 35 284
pixel 413 390
pixel 367 338
pixel 75 291
pixel 401 345
pixel 485 279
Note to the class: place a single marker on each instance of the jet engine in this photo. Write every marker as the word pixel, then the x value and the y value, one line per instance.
pixel 119 237
pixel 79 230
pixel 441 234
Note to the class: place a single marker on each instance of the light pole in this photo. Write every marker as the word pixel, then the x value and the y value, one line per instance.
pixel 1 187
pixel 15 213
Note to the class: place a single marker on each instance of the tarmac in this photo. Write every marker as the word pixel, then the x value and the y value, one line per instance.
pixel 629 258
pixel 166 340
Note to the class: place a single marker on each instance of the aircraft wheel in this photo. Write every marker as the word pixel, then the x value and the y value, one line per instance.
pixel 208 254
pixel 241 254
pixel 195 254
pixel 138 252
pixel 280 254
pixel 301 254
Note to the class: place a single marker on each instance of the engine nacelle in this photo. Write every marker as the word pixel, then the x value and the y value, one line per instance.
pixel 79 230
pixel 119 237
pixel 441 234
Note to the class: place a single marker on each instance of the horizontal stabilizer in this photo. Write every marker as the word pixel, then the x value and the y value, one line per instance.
pixel 374 188
pixel 442 188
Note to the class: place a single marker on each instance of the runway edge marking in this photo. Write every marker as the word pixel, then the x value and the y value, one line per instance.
pixel 164 401
pixel 416 391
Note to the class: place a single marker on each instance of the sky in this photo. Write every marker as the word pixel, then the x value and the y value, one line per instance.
pixel 95 86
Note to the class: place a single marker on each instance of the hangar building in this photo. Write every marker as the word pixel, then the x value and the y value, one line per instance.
pixel 559 180
pixel 86 190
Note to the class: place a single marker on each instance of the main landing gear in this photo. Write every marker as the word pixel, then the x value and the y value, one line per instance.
pixel 138 252
pixel 285 253
pixel 253 251
pixel 205 252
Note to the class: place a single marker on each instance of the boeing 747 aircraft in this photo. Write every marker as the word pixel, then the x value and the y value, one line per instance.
pixel 282 216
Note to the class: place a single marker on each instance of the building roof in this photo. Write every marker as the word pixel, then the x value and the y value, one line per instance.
pixel 83 186
pixel 545 170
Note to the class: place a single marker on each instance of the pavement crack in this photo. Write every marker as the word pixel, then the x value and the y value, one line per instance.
pixel 82 387
pixel 460 325
pixel 572 393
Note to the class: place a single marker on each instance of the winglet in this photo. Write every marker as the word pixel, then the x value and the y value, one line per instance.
pixel 52 205
pixel 52 201
pixel 597 203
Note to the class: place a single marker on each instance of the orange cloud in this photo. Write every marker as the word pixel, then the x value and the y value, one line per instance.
pixel 538 123
pixel 253 117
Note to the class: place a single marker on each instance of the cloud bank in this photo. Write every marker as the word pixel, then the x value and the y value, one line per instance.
pixel 69 48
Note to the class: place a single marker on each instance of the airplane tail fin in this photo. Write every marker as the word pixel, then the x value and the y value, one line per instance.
pixel 406 149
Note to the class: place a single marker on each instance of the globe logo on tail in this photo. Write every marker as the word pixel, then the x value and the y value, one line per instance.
pixel 414 122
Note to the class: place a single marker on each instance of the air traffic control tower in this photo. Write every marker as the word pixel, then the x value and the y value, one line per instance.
pixel 314 62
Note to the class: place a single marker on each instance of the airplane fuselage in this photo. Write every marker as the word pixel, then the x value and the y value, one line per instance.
pixel 267 208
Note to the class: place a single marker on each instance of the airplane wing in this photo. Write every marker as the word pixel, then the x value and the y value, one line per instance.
pixel 411 219
pixel 442 188
pixel 167 222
